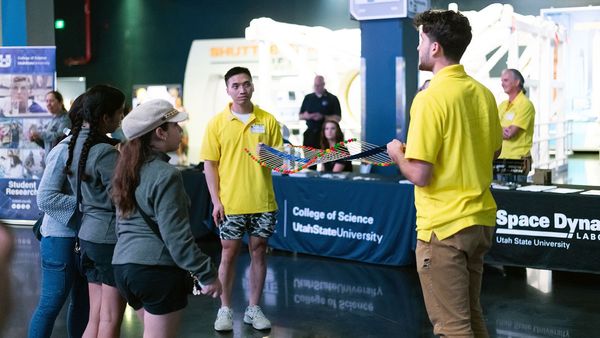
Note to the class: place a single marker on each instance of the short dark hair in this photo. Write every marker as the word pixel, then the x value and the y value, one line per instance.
pixel 448 28
pixel 517 75
pixel 57 95
pixel 235 71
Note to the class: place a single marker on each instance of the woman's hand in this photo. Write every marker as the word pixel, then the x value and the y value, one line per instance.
pixel 213 289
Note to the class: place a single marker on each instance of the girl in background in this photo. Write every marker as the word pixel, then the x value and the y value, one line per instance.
pixel 330 135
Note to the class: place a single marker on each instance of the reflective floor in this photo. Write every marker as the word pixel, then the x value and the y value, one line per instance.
pixel 308 296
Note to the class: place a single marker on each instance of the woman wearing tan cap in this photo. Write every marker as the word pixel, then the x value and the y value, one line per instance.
pixel 155 251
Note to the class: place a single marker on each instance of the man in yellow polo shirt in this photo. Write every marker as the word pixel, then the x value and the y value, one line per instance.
pixel 453 138
pixel 241 191
pixel 516 117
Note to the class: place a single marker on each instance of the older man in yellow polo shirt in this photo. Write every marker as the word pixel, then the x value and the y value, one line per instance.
pixel 453 138
pixel 517 116
pixel 241 191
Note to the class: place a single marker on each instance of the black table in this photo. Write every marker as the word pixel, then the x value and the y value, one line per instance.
pixel 534 229
pixel 547 230
pixel 367 221
pixel 200 211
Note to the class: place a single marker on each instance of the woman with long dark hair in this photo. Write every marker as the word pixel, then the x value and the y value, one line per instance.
pixel 155 249
pixel 91 161
pixel 331 133
pixel 61 278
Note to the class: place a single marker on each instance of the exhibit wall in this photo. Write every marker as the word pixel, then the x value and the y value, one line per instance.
pixel 149 41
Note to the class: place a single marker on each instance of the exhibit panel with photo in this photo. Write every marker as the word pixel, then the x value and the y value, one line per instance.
pixel 27 74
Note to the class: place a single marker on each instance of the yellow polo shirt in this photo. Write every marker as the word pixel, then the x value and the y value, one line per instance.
pixel 454 126
pixel 245 186
pixel 518 113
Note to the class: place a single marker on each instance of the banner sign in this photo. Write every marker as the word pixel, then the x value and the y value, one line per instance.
pixel 28 60
pixel 374 221
pixel 27 74
pixel 363 221
pixel 547 230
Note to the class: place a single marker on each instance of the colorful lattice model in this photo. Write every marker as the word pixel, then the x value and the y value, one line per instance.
pixel 290 159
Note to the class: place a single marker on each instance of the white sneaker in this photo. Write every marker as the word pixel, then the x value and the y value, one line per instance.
pixel 224 320
pixel 256 318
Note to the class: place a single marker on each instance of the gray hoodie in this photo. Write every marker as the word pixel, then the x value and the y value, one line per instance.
pixel 162 196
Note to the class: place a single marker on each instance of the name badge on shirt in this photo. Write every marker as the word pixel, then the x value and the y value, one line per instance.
pixel 509 116
pixel 257 129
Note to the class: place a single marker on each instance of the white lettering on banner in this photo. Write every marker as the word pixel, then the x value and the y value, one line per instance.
pixel 316 229
pixel 503 218
pixel 586 236
pixel 349 217
pixel 36 60
pixel 308 213
pixel 504 240
pixel 558 225
pixel 342 216
pixel 21 188
pixel 551 244
pixel 534 242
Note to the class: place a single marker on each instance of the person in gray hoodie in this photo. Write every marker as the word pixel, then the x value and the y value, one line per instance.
pixel 91 161
pixel 61 278
pixel 155 249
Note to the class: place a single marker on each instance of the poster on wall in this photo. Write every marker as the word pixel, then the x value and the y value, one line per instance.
pixel 27 74
pixel 169 92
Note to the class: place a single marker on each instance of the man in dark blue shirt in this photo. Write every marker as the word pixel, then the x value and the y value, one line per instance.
pixel 316 108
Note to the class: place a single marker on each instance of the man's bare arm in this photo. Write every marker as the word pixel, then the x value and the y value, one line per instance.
pixel 510 132
pixel 211 172
pixel 417 171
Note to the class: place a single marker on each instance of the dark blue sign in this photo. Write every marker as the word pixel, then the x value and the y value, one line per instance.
pixel 363 221
pixel 27 74
pixel 27 60
pixel 18 199
pixel 547 230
